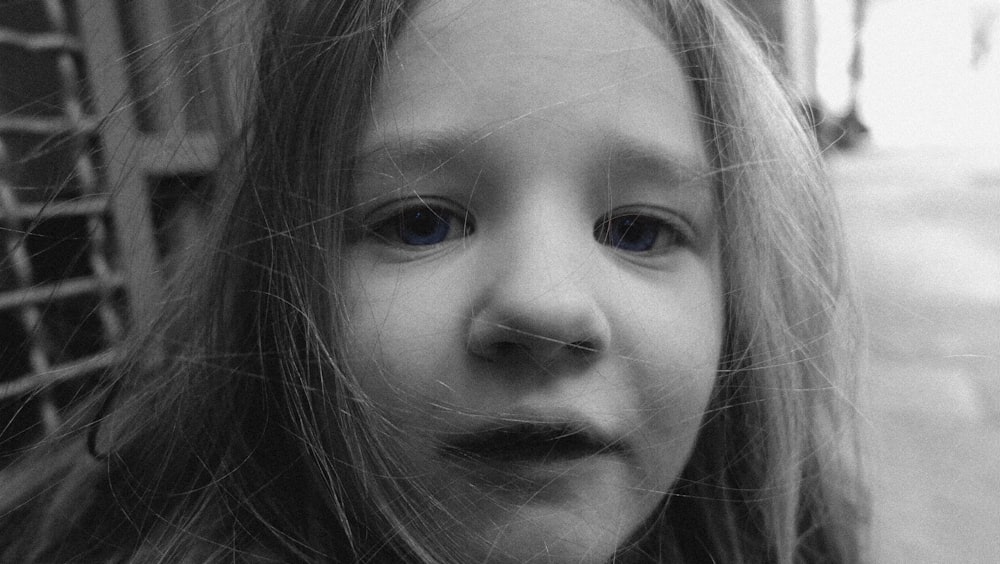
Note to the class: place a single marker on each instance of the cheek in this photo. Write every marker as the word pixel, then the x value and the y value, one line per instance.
pixel 403 331
pixel 677 340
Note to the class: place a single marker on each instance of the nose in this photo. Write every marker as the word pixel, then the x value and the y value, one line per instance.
pixel 540 305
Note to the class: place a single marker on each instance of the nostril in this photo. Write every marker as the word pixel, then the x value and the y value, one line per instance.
pixel 582 347
pixel 539 352
pixel 508 349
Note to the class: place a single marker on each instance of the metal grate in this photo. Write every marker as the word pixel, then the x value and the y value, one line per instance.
pixel 102 138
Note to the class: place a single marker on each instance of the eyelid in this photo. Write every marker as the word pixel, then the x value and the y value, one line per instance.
pixel 385 210
pixel 677 221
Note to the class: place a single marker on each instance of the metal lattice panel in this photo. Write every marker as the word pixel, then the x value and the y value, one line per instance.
pixel 95 127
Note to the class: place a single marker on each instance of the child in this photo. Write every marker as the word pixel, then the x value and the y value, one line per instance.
pixel 508 281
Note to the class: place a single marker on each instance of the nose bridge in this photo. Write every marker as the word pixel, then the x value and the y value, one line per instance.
pixel 540 301
pixel 547 248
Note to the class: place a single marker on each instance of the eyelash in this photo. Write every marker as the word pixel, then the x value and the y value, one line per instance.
pixel 426 224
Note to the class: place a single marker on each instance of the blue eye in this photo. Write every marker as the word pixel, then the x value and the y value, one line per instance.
pixel 635 233
pixel 421 226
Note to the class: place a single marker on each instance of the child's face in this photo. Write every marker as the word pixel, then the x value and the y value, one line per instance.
pixel 540 247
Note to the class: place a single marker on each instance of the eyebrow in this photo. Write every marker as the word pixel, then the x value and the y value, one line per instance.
pixel 624 153
pixel 435 148
pixel 651 160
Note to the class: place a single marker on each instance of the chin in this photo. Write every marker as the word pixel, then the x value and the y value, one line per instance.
pixel 578 511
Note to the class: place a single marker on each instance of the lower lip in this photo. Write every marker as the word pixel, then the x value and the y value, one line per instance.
pixel 542 478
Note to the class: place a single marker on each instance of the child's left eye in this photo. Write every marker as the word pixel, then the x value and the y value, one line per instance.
pixel 421 225
pixel 637 233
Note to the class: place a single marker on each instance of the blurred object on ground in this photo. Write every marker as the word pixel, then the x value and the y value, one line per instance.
pixel 921 86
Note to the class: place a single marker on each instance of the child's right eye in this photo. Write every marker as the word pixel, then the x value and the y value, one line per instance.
pixel 421 225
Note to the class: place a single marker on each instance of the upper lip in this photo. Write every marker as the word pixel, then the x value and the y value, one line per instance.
pixel 524 441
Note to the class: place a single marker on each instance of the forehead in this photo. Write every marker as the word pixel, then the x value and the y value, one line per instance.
pixel 529 27
pixel 527 41
pixel 502 61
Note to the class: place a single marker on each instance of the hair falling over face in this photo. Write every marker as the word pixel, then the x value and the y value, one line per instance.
pixel 497 281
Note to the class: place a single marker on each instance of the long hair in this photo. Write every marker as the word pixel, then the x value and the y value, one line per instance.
pixel 775 475
pixel 243 435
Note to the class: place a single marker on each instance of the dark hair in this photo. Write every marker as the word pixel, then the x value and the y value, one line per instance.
pixel 246 438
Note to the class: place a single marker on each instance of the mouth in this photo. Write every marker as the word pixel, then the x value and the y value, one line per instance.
pixel 531 443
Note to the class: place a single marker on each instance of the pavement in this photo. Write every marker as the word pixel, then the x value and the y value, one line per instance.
pixel 921 209
pixel 923 231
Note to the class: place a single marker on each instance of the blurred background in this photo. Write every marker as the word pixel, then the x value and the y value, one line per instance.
pixel 113 116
